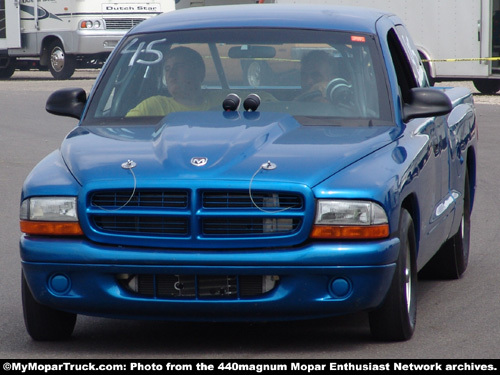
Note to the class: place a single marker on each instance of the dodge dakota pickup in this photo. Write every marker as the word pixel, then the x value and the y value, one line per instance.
pixel 251 163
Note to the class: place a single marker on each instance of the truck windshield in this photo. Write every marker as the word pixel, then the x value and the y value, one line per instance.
pixel 318 77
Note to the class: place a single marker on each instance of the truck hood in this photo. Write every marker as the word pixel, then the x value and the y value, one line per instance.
pixel 220 145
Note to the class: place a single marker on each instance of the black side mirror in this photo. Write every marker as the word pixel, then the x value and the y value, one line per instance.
pixel 426 102
pixel 67 102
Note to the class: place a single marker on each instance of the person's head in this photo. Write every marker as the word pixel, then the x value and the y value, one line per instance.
pixel 317 66
pixel 184 71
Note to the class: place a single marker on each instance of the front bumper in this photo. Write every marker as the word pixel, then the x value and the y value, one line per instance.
pixel 87 42
pixel 317 280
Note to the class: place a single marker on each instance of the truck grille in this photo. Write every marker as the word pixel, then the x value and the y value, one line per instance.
pixel 122 24
pixel 186 214
pixel 198 286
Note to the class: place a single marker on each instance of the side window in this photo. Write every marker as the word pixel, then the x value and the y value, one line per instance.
pixel 412 55
pixel 409 68
pixel 406 78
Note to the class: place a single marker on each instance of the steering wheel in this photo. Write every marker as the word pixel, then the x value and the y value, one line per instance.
pixel 339 92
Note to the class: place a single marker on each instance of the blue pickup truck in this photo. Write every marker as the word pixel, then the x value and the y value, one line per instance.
pixel 251 163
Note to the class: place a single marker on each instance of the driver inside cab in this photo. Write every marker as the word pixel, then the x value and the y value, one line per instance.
pixel 184 72
pixel 318 68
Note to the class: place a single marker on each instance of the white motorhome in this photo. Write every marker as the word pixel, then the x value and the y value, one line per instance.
pixel 457 39
pixel 63 35
pixel 181 4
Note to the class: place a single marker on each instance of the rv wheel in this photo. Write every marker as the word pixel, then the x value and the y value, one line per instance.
pixel 257 73
pixel 487 86
pixel 61 66
pixel 7 68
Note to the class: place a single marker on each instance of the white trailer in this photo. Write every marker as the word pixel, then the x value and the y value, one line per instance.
pixel 459 40
pixel 63 35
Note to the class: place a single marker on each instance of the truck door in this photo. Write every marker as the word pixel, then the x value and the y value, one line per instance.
pixel 433 166
pixel 10 31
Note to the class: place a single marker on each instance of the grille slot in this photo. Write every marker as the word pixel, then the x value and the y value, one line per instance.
pixel 145 225
pixel 122 24
pixel 243 200
pixel 248 226
pixel 160 199
pixel 199 286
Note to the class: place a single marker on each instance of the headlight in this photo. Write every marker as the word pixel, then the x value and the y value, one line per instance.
pixel 92 24
pixel 50 216
pixel 345 219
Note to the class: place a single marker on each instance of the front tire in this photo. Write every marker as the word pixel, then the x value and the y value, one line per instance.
pixel 395 319
pixel 44 323
pixel 61 65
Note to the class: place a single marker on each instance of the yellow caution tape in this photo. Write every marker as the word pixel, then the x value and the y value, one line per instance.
pixel 470 59
pixel 423 60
